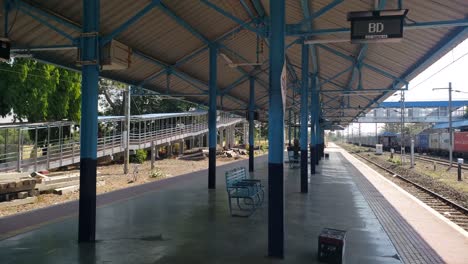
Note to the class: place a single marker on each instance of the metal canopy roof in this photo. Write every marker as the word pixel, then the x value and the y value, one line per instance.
pixel 455 124
pixel 170 42
pixel 424 104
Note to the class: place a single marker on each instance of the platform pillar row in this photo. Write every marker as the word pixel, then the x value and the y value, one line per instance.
pixel 294 126
pixel 212 130
pixel 251 123
pixel 317 119
pixel 276 132
pixel 289 126
pixel 304 117
pixel 313 127
pixel 89 121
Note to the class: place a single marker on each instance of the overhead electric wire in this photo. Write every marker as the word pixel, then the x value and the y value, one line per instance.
pixel 437 72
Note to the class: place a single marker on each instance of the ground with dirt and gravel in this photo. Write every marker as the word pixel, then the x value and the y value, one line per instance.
pixel 114 179
pixel 440 180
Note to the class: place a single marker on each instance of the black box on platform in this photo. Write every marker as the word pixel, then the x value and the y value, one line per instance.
pixel 331 245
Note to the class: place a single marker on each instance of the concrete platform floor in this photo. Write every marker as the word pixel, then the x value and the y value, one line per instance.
pixel 180 221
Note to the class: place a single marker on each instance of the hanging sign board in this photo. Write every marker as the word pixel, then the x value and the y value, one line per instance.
pixel 377 26
pixel 4 50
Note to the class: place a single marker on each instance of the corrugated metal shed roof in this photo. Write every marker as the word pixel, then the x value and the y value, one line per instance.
pixel 424 104
pixel 174 36
pixel 455 124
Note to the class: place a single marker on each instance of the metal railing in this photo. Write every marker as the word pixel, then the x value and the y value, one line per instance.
pixel 39 154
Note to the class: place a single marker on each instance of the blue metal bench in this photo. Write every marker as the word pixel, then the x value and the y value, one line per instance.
pixel 248 193
pixel 293 160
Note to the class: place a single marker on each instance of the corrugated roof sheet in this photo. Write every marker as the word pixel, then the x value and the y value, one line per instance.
pixel 423 104
pixel 166 41
pixel 455 124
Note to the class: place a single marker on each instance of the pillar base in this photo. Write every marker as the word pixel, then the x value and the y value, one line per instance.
pixel 313 154
pixel 87 202
pixel 275 210
pixel 251 158
pixel 317 154
pixel 212 168
pixel 304 174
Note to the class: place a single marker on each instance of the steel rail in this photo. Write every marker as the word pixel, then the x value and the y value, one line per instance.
pixel 436 195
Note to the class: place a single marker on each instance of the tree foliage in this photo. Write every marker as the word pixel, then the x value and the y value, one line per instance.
pixel 111 101
pixel 39 92
pixel 408 129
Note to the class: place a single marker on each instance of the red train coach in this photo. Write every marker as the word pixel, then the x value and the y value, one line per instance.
pixel 461 142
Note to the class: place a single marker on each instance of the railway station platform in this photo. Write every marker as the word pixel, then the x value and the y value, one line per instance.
pixel 178 220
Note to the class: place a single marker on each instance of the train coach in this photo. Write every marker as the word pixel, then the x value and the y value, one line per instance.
pixel 433 142
pixel 460 147
pixel 421 143
pixel 438 143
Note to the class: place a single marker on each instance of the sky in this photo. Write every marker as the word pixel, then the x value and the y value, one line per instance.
pixel 452 67
pixel 436 76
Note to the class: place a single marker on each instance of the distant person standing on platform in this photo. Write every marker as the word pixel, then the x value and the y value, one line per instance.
pixel 296 148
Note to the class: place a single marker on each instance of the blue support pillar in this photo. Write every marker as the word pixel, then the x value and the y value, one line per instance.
pixel 276 133
pixel 289 127
pixel 251 123
pixel 317 121
pixel 294 126
pixel 313 133
pixel 322 138
pixel 319 143
pixel 304 117
pixel 89 121
pixel 212 133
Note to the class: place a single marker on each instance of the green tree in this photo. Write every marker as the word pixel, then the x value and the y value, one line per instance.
pixel 409 128
pixel 111 103
pixel 39 92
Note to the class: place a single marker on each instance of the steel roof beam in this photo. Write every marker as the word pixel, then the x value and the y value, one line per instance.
pixel 183 23
pixel 200 36
pixel 261 11
pixel 49 14
pixel 247 8
pixel 241 80
pixel 348 108
pixel 244 24
pixel 6 12
pixel 192 80
pixel 124 26
pixel 190 56
pixel 76 69
pixel 438 51
pixel 357 65
pixel 336 76
pixel 44 48
pixel 28 10
pixel 259 8
pixel 361 91
pixel 343 88
pixel 371 67
pixel 321 12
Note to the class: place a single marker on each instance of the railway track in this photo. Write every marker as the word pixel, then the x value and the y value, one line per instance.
pixel 449 209
pixel 440 161
pixel 437 160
